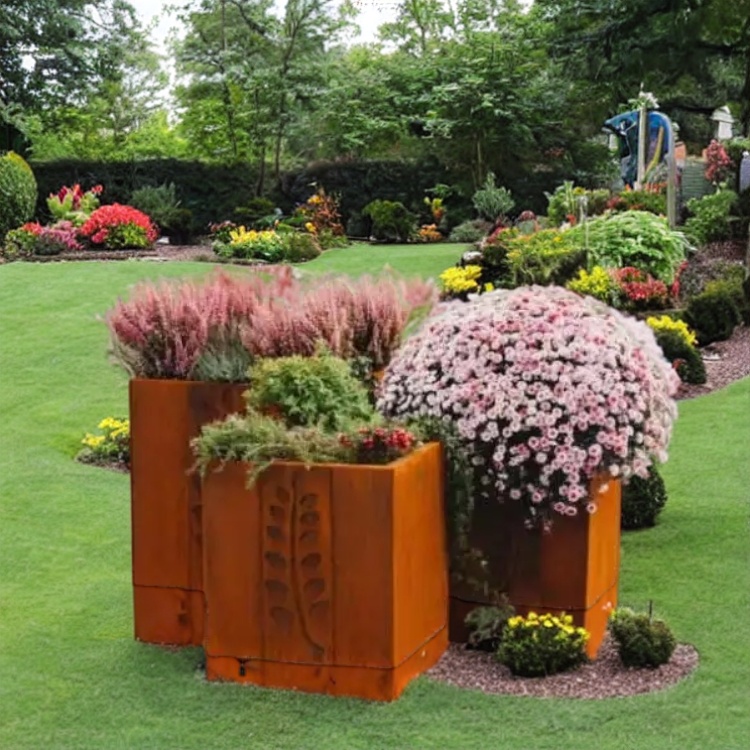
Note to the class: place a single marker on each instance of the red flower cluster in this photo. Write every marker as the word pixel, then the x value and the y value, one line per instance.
pixel 104 220
pixel 379 445
pixel 33 227
pixel 640 289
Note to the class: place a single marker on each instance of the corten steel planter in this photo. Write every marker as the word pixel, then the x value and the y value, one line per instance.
pixel 331 579
pixel 166 503
pixel 574 568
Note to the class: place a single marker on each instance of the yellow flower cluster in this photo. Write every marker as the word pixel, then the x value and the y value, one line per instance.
pixel 115 427
pixel 242 235
pixel 310 227
pixel 680 327
pixel 114 430
pixel 597 284
pixel 461 280
pixel 313 200
pixel 564 623
pixel 92 441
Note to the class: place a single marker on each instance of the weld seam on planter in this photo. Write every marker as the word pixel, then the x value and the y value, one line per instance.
pixel 596 601
pixel 261 660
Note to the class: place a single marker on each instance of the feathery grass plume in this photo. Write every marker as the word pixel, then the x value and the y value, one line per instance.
pixel 164 329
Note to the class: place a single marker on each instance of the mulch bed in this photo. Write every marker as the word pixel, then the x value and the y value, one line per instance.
pixel 603 678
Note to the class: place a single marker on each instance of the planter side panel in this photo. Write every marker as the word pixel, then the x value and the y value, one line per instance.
pixel 420 553
pixel 166 499
pixel 232 569
pixel 362 509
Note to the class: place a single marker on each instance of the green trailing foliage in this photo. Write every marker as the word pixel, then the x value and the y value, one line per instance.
pixel 18 192
pixel 642 501
pixel 641 641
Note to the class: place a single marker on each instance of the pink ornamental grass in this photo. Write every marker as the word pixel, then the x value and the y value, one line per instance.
pixel 163 329
pixel 545 388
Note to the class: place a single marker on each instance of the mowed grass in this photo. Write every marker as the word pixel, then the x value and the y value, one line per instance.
pixel 72 677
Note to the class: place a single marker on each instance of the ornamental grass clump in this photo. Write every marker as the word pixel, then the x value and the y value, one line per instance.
pixel 545 389
pixel 214 329
pixel 169 330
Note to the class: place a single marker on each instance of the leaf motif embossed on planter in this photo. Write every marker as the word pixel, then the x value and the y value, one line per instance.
pixel 283 495
pixel 276 560
pixel 310 563
pixel 309 537
pixel 308 502
pixel 275 533
pixel 314 588
pixel 277 513
pixel 310 519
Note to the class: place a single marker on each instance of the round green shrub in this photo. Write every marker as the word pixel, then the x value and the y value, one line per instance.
pixel 18 192
pixel 300 247
pixel 686 359
pixel 642 501
pixel 309 391
pixel 641 641
pixel 713 315
pixel 541 645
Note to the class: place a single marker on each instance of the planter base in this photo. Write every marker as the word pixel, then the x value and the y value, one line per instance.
pixel 594 618
pixel 371 683
pixel 168 615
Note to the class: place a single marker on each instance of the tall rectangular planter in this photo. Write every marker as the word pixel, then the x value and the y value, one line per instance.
pixel 331 579
pixel 166 503
pixel 573 568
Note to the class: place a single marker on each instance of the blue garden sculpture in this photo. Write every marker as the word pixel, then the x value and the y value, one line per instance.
pixel 625 127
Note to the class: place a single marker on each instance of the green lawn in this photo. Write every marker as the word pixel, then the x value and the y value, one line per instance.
pixel 72 677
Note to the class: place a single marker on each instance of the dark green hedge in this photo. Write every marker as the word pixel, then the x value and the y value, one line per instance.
pixel 212 192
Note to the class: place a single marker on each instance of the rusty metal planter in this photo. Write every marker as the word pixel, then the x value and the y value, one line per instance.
pixel 166 503
pixel 331 579
pixel 574 568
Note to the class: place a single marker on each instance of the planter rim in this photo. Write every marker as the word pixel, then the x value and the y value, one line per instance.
pixel 139 379
pixel 332 465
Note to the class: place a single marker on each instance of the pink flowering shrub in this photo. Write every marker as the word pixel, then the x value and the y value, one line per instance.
pixel 718 163
pixel 117 227
pixel 545 389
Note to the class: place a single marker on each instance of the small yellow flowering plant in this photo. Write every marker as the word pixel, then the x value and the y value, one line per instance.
pixel 664 323
pixel 541 645
pixel 460 282
pixel 598 283
pixel 110 446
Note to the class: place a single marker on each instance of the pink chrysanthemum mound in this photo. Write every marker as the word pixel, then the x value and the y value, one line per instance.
pixel 544 387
